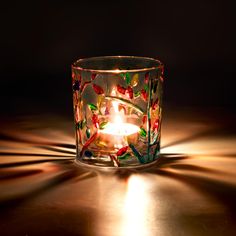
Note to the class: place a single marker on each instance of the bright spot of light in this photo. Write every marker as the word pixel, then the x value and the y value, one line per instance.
pixel 137 208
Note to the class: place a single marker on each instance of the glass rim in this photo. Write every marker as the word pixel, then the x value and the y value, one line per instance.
pixel 159 65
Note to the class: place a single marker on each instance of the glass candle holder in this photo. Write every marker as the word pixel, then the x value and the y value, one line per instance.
pixel 117 104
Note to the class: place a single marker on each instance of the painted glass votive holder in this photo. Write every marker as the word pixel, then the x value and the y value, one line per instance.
pixel 117 103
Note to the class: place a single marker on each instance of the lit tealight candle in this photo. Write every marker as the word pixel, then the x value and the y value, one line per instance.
pixel 118 129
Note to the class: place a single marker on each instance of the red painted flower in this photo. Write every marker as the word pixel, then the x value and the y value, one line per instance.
pixel 93 76
pixel 98 89
pixel 88 142
pixel 84 85
pixel 121 89
pixel 146 78
pixel 130 92
pixel 155 125
pixel 95 120
pixel 162 70
pixel 73 75
pixel 144 119
pixel 144 94
pixel 121 151
pixel 155 103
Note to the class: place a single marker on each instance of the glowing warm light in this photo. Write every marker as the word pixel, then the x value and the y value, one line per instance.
pixel 137 208
pixel 124 130
pixel 118 127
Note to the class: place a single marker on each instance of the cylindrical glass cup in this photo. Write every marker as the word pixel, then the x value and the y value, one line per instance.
pixel 117 104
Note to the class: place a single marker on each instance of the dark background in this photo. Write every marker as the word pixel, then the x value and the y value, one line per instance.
pixel 40 39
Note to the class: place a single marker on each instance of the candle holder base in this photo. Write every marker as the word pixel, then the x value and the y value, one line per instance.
pixel 110 167
pixel 130 158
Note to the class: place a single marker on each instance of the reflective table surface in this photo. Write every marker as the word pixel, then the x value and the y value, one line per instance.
pixel 190 191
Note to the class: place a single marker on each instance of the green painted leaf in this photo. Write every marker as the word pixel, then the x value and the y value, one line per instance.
pixel 127 78
pixel 125 156
pixel 143 132
pixel 81 124
pixel 146 87
pixel 137 94
pixel 92 107
pixel 122 75
pixel 88 133
pixel 103 125
pixel 140 158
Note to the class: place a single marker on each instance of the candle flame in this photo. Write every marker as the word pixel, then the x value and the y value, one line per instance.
pixel 118 119
pixel 118 126
pixel 115 105
pixel 118 115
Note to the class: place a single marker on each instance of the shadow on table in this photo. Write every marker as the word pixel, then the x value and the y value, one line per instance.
pixel 62 154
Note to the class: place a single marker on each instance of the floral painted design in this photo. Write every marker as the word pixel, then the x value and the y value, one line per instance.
pixel 136 97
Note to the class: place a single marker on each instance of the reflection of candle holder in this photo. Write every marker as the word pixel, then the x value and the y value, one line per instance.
pixel 117 110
